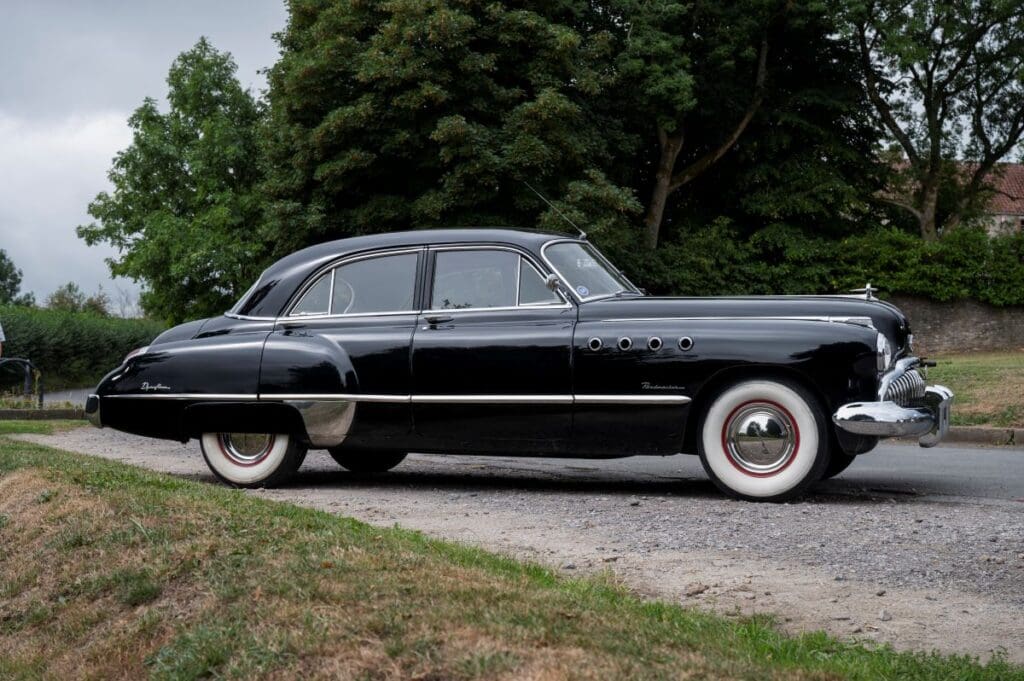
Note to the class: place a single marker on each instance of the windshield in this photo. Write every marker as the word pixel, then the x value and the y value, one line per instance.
pixel 586 271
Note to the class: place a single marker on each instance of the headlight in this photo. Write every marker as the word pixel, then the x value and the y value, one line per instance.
pixel 883 352
pixel 135 353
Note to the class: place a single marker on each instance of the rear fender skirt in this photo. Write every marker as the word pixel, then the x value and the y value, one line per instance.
pixel 241 417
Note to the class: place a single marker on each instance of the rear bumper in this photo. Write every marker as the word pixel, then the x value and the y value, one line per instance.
pixel 928 422
pixel 92 410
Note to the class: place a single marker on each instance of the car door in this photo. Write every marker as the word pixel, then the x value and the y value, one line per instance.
pixel 491 357
pixel 347 338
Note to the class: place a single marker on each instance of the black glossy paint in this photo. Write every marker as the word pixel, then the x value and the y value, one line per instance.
pixel 527 351
pixel 512 352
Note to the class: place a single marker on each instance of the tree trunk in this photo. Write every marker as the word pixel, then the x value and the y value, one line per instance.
pixel 926 219
pixel 670 147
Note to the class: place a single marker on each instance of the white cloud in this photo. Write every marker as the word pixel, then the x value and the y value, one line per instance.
pixel 50 169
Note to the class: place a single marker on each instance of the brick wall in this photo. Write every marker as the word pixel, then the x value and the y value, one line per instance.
pixel 963 326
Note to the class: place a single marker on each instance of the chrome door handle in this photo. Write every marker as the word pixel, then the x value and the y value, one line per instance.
pixel 435 319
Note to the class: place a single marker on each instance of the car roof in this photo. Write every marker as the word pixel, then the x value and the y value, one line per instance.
pixel 529 239
pixel 281 279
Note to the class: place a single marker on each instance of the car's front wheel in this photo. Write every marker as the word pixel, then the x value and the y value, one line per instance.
pixel 252 459
pixel 360 461
pixel 764 440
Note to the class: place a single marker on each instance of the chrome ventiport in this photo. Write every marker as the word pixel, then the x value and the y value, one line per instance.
pixel 595 344
pixel 654 343
pixel 625 343
pixel 685 343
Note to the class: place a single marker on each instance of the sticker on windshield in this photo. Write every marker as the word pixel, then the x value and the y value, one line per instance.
pixel 583 291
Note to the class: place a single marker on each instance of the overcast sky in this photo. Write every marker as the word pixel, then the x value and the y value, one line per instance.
pixel 71 73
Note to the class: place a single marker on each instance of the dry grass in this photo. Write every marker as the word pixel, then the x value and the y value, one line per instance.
pixel 107 571
pixel 989 387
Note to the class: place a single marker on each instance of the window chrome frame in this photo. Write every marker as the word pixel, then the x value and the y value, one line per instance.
pixel 565 304
pixel 600 257
pixel 330 268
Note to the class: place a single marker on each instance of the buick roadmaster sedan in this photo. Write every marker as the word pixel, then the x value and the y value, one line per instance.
pixel 487 341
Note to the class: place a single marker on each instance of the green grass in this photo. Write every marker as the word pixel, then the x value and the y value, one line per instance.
pixel 109 571
pixel 989 388
pixel 41 427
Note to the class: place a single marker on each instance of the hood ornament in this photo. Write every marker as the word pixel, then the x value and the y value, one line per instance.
pixel 869 291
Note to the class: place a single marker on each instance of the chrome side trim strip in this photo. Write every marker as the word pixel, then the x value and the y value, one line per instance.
pixel 186 396
pixel 492 399
pixel 416 399
pixel 859 321
pixel 330 397
pixel 247 318
pixel 632 399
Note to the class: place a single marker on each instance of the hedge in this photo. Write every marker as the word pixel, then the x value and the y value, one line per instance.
pixel 72 349
pixel 716 260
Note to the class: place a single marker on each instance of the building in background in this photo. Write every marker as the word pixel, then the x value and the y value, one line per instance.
pixel 1005 211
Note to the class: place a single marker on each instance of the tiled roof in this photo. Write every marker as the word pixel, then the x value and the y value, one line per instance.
pixel 1008 181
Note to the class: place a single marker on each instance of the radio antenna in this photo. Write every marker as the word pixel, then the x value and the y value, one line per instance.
pixel 583 235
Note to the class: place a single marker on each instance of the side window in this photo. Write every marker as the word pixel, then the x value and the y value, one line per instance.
pixel 532 290
pixel 474 278
pixel 316 300
pixel 381 284
pixel 384 284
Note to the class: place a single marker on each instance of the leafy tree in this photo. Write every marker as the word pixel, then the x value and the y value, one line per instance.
pixel 10 284
pixel 755 102
pixel 71 298
pixel 416 113
pixel 944 79
pixel 184 210
pixel 10 278
pixel 67 298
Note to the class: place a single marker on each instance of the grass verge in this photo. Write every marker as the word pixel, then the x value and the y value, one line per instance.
pixel 989 388
pixel 109 571
pixel 40 427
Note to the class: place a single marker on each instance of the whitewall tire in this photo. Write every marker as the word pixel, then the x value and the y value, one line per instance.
pixel 764 440
pixel 252 460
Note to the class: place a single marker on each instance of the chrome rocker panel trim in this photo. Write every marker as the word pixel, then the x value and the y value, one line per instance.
pixel 929 423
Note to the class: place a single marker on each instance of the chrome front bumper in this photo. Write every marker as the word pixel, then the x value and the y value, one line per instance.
pixel 928 420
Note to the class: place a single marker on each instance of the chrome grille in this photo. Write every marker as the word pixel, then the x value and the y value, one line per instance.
pixel 907 389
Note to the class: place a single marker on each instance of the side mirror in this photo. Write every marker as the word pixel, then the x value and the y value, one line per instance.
pixel 553 282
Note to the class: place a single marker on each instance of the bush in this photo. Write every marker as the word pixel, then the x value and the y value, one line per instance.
pixel 717 260
pixel 72 349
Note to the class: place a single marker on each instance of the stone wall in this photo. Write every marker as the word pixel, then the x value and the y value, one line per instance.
pixel 962 326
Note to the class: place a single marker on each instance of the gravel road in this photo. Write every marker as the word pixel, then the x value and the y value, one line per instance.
pixel 924 550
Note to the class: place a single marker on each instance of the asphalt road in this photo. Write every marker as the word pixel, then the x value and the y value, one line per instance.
pixel 964 473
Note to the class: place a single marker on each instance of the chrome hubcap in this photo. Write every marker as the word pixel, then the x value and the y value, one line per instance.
pixel 761 438
pixel 246 449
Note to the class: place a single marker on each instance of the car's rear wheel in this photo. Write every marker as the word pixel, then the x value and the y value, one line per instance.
pixel 764 440
pixel 362 461
pixel 252 459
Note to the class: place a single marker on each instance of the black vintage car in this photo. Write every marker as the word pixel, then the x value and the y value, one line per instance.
pixel 489 341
